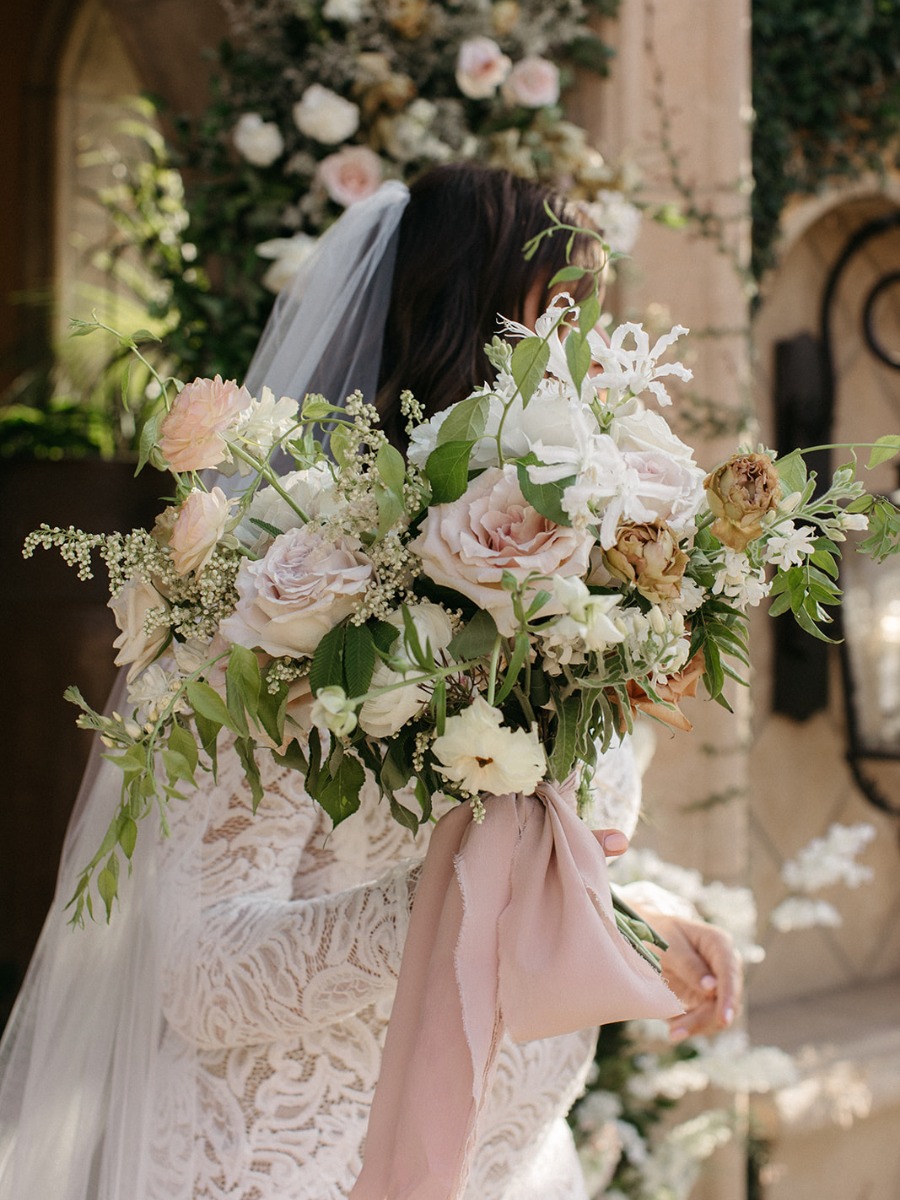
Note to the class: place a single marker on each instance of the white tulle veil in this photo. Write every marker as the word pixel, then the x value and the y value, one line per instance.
pixel 89 1108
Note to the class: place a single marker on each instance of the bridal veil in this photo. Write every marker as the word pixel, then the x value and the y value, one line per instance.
pixel 89 1110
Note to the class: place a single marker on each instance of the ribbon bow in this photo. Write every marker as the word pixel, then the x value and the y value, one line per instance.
pixel 513 930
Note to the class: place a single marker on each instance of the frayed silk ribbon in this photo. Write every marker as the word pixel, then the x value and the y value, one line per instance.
pixel 513 930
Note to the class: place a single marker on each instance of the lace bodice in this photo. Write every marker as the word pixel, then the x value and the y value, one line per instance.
pixel 284 1007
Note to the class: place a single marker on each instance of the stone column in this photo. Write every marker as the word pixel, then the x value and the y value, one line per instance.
pixel 677 108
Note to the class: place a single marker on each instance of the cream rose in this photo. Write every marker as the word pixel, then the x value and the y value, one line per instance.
pixel 191 437
pixel 481 66
pixel 306 584
pixel 382 716
pixel 533 82
pixel 258 141
pixel 350 175
pixel 132 606
pixel 198 525
pixel 467 545
pixel 325 116
pixel 311 489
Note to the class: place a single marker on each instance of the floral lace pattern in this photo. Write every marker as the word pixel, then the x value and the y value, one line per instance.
pixel 284 1009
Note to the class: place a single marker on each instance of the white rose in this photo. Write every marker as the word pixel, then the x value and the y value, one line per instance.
pixel 287 256
pixel 305 585
pixel 481 66
pixel 350 175
pixel 670 482
pixel 325 116
pixel 482 755
pixel 533 83
pixel 312 490
pixel 382 716
pixel 258 141
pixel 131 607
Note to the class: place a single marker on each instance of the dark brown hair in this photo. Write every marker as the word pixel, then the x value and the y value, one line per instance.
pixel 460 263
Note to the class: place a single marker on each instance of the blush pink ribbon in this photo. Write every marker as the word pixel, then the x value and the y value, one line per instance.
pixel 512 929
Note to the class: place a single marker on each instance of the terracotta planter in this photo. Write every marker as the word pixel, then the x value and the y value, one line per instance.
pixel 57 631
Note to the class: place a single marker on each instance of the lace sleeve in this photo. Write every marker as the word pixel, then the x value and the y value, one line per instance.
pixel 262 964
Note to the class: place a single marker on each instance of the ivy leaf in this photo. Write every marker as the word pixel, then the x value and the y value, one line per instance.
pixel 529 364
pixel 447 469
pixel 467 421
pixel 209 704
pixel 884 450
pixel 546 498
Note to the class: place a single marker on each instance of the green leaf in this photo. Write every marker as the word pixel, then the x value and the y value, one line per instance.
pixel 338 788
pixel 546 498
pixel 588 314
pixel 578 357
pixel 516 662
pixel 339 443
pixel 208 732
pixel 791 472
pixel 209 704
pixel 327 664
pixel 884 450
pixel 244 748
pixel 529 364
pixel 476 639
pixel 271 712
pixel 391 469
pixel 467 421
pixel 182 743
pixel 562 756
pixel 384 634
pixel 447 470
pixel 127 835
pixel 568 275
pixel 108 884
pixel 359 659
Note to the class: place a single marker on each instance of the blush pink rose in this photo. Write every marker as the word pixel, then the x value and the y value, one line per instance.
pixel 350 175
pixel 533 83
pixel 198 525
pixel 468 544
pixel 191 435
pixel 481 66
pixel 306 584
pixel 132 606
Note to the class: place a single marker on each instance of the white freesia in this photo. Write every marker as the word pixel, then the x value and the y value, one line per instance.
pixel 739 581
pixel 654 641
pixel 383 716
pixel 264 423
pixel 790 547
pixel 325 116
pixel 628 372
pixel 331 710
pixel 258 141
pixel 287 256
pixel 587 625
pixel 481 754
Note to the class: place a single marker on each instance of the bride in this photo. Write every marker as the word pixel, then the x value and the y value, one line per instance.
pixel 222 1037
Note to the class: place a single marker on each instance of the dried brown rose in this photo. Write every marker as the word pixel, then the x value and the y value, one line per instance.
pixel 739 494
pixel 648 555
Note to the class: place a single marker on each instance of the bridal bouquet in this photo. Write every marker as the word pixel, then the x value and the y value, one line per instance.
pixel 484 613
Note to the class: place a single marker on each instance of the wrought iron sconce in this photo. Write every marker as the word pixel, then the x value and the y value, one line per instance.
pixel 805 397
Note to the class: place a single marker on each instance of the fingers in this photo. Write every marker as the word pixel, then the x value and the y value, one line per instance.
pixel 613 841
pixel 726 969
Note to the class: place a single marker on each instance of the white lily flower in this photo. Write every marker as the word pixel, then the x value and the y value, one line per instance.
pixel 631 372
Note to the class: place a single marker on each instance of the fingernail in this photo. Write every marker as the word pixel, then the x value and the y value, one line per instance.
pixel 678 1035
pixel 613 843
pixel 728 1015
pixel 709 983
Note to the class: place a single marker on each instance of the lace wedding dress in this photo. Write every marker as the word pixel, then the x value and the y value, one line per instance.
pixel 285 1006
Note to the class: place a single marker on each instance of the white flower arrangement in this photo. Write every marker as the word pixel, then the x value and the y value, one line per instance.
pixel 519 596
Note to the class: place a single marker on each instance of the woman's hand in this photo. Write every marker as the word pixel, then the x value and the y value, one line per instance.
pixel 613 841
pixel 704 971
